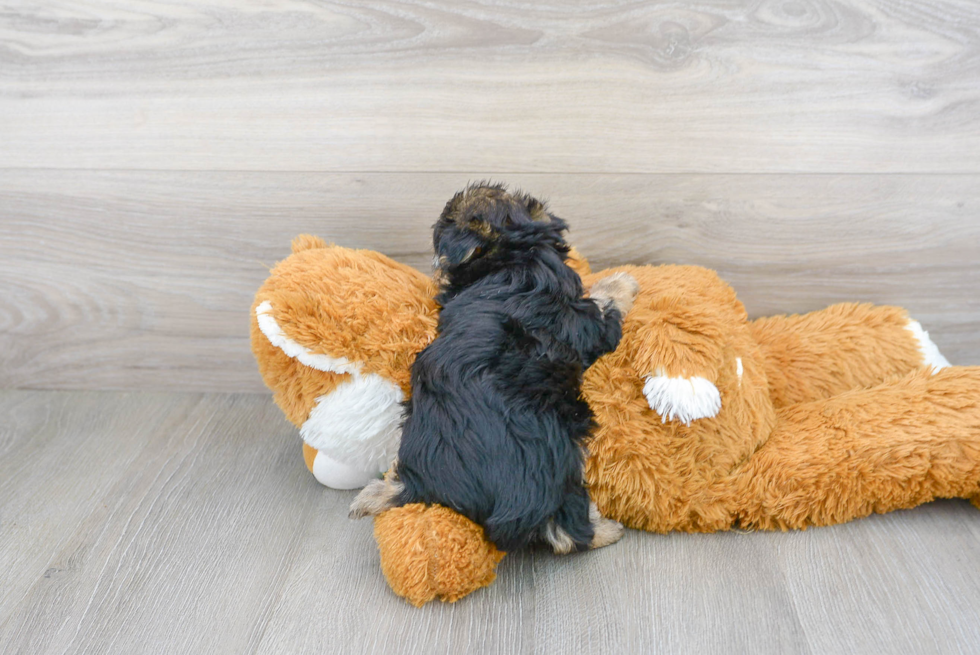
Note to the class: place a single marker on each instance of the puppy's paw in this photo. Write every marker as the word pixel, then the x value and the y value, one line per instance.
pixel 605 532
pixel 618 290
pixel 559 540
pixel 682 399
pixel 375 498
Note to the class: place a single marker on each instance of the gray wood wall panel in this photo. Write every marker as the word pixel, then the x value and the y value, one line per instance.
pixel 143 279
pixel 156 158
pixel 724 86
pixel 184 523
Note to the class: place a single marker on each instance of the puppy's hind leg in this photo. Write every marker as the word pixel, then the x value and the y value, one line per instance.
pixel 605 532
pixel 578 526
pixel 378 496
pixel 560 541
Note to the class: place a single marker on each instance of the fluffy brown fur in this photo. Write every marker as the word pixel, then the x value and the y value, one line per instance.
pixel 839 453
pixel 797 350
pixel 832 417
pixel 466 560
pixel 312 293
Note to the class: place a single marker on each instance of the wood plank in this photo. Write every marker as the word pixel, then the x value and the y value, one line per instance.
pixel 54 465
pixel 727 86
pixel 858 586
pixel 164 522
pixel 144 279
pixel 670 593
pixel 649 593
pixel 183 552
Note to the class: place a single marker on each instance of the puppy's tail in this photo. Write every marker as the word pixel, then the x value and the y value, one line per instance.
pixel 430 551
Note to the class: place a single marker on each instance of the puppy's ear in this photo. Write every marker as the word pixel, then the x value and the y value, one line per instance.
pixel 456 252
pixel 537 210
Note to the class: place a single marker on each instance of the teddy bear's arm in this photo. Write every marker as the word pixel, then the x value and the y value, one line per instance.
pixel 674 337
pixel 679 368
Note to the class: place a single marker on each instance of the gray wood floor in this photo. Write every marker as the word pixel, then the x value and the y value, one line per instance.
pixel 187 523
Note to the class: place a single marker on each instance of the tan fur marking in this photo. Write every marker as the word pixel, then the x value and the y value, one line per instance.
pixel 619 289
pixel 480 227
pixel 558 539
pixel 539 212
pixel 376 498
pixel 605 531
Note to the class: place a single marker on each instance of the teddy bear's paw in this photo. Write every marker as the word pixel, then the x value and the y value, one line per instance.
pixel 682 399
pixel 338 475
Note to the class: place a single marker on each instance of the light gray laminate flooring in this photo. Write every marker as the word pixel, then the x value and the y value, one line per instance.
pixel 187 523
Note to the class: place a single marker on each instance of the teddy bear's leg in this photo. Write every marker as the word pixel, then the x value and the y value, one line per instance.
pixel 430 552
pixel 893 446
pixel 844 347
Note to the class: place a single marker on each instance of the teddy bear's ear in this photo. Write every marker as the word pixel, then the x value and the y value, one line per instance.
pixel 307 242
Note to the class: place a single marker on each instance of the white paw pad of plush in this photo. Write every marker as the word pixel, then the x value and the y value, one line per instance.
pixel 337 475
pixel 682 399
pixel 930 351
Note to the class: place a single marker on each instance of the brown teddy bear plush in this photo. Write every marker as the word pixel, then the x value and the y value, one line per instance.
pixel 705 420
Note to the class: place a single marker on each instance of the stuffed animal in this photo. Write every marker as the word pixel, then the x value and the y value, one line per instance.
pixel 705 420
pixel 334 332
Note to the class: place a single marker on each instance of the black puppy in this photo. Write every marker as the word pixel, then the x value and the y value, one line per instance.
pixel 496 422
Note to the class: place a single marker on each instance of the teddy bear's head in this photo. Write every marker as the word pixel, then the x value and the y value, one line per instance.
pixel 334 332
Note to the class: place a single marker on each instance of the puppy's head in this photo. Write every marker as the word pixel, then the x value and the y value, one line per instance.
pixel 484 221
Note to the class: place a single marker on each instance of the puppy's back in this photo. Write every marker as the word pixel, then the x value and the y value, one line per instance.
pixel 495 422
